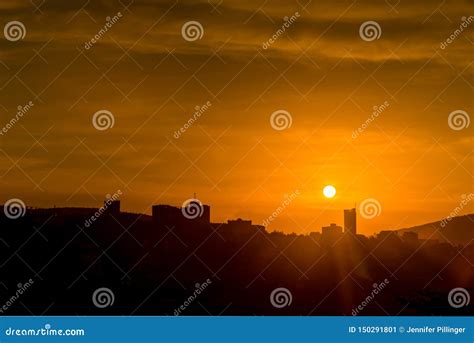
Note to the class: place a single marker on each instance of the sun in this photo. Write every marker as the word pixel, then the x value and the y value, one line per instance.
pixel 329 191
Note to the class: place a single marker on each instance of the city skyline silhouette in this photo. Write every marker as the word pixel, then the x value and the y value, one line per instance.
pixel 113 204
pixel 178 262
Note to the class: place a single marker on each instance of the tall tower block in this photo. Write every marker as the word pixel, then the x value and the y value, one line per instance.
pixel 350 221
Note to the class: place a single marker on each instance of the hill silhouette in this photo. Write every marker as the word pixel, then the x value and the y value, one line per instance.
pixel 459 230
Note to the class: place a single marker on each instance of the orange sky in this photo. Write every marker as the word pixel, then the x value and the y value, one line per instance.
pixel 319 70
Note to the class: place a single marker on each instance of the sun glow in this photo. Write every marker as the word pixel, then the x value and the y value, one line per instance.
pixel 329 191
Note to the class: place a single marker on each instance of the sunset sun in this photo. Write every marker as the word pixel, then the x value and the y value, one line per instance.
pixel 329 191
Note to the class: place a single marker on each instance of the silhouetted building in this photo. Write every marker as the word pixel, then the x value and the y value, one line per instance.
pixel 331 232
pixel 350 221
pixel 196 212
pixel 331 229
pixel 112 206
pixel 166 215
pixel 206 213
pixel 239 223
pixel 171 216
pixel 240 226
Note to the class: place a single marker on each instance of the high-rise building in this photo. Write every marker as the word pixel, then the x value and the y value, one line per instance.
pixel 350 221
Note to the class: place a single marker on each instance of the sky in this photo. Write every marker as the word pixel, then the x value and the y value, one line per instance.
pixel 369 115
